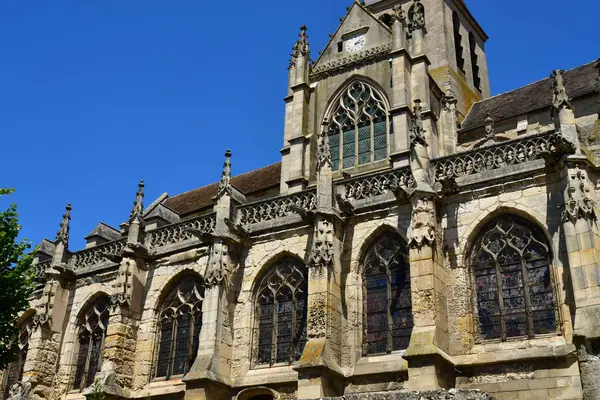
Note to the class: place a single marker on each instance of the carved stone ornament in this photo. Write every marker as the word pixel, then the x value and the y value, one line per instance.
pixel 321 254
pixel 490 133
pixel 419 156
pixel 416 15
pixel 137 212
pixel 225 183
pixel 19 391
pixel 578 203
pixel 121 297
pixel 423 222
pixel 398 14
pixel 324 152
pixel 374 54
pixel 107 374
pixel 62 235
pixel 300 47
pixel 560 99
pixel 43 315
pixel 219 264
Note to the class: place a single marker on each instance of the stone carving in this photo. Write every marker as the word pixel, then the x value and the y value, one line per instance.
pixel 40 270
pixel 324 152
pixel 181 231
pixel 500 155
pixel 121 298
pixel 321 255
pixel 340 65
pixel 373 185
pixel 578 201
pixel 419 156
pixel 62 236
pixel 300 47
pixel 19 391
pixel 43 315
pixel 219 263
pixel 398 14
pixel 490 133
pixel 416 15
pixel 107 374
pixel 225 183
pixel 344 205
pixel 560 98
pixel 439 394
pixel 279 207
pixel 423 222
pixel 137 212
pixel 97 255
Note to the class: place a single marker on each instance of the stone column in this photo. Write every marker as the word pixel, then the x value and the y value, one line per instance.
pixel 319 374
pixel 401 90
pixel 449 124
pixel 294 166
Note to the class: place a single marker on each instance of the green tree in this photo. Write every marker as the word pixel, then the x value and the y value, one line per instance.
pixel 16 280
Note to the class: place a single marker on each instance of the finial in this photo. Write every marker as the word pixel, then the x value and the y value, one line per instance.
pixel 225 183
pixel 417 132
pixel 416 15
pixel 398 13
pixel 300 47
pixel 560 98
pixel 62 235
pixel 137 212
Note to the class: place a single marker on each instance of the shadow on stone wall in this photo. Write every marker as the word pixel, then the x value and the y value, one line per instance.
pixel 452 394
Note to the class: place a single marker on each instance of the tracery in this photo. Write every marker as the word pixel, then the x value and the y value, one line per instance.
pixel 16 368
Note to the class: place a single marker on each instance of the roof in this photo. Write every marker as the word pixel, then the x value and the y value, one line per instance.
pixel 251 182
pixel 579 82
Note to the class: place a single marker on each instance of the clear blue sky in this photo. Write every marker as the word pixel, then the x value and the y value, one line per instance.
pixel 95 95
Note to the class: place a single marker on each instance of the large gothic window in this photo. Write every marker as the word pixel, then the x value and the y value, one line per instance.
pixel 14 371
pixel 387 297
pixel 92 331
pixel 358 127
pixel 281 313
pixel 511 261
pixel 180 321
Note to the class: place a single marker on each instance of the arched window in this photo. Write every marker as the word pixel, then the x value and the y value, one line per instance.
pixel 387 297
pixel 281 312
pixel 92 331
pixel 180 321
pixel 511 261
pixel 358 127
pixel 14 371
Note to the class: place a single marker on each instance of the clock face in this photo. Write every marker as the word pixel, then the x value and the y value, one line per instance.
pixel 355 43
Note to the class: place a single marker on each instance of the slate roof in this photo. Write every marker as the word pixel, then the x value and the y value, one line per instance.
pixel 579 82
pixel 249 183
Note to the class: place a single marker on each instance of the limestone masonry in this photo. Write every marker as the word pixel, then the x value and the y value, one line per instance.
pixel 419 240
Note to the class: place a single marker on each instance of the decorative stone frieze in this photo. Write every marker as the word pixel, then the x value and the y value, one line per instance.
pixel 182 231
pixel 416 16
pixel 321 255
pixel 340 65
pixel 219 266
pixel 423 224
pixel 278 207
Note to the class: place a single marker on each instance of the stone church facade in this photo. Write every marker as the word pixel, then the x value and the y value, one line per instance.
pixel 418 234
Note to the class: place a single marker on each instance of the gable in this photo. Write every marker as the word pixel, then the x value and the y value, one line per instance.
pixel 358 20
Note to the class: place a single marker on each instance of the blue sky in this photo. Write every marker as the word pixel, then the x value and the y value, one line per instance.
pixel 95 95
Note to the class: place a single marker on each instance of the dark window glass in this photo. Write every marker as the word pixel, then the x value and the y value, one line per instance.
pixel 281 313
pixel 92 331
pixel 511 261
pixel 388 305
pixel 358 128
pixel 15 369
pixel 180 323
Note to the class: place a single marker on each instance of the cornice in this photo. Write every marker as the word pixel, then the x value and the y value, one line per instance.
pixel 339 66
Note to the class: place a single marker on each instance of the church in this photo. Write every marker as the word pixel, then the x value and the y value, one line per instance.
pixel 418 235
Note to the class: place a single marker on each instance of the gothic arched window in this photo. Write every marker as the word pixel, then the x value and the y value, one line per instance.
pixel 92 331
pixel 358 127
pixel 281 312
pixel 180 321
pixel 387 296
pixel 14 371
pixel 511 262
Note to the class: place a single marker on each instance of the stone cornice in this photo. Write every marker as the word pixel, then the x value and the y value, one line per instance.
pixel 336 67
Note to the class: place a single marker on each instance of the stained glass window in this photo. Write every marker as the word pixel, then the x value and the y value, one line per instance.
pixel 92 331
pixel 14 371
pixel 387 299
pixel 281 313
pixel 358 127
pixel 180 321
pixel 511 260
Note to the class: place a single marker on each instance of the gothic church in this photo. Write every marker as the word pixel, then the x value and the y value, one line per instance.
pixel 417 235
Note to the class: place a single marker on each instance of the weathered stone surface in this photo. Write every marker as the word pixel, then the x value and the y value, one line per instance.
pixel 452 394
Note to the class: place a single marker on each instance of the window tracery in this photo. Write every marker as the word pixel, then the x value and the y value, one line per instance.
pixel 180 321
pixel 387 298
pixel 281 313
pixel 14 371
pixel 92 332
pixel 511 261
pixel 358 127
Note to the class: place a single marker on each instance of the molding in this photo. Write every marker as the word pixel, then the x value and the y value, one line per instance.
pixel 374 54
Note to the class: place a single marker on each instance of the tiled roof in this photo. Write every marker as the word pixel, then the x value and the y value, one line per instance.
pixel 578 82
pixel 248 183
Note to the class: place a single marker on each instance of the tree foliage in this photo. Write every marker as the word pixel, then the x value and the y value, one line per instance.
pixel 16 280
